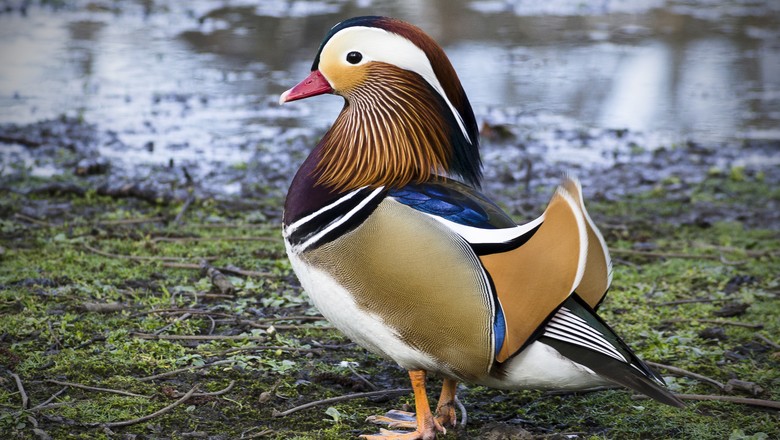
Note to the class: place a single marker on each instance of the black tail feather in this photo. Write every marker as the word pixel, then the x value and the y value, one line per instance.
pixel 603 353
pixel 616 371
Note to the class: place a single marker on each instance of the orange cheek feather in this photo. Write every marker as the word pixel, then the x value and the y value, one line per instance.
pixel 344 78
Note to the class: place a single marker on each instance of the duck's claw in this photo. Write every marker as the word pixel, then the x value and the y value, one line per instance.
pixel 395 419
pixel 445 410
pixel 385 434
pixel 424 424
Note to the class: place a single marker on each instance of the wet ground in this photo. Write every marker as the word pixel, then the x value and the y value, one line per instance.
pixel 181 95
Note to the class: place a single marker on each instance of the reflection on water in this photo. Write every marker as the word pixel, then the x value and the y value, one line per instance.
pixel 196 79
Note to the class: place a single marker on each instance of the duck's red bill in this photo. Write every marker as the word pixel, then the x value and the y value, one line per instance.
pixel 314 84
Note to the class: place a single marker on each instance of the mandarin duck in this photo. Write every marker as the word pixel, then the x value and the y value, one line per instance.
pixel 386 229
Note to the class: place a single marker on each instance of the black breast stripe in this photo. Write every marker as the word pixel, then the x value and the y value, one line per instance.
pixel 334 219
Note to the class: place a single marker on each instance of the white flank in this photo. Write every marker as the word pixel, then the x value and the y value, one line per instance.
pixel 540 366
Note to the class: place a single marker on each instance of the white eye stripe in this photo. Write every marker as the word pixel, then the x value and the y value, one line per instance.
pixel 377 44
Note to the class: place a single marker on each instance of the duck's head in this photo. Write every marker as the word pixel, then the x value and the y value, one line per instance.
pixel 406 117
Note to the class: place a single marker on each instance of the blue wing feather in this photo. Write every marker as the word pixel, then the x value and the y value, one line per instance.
pixel 455 202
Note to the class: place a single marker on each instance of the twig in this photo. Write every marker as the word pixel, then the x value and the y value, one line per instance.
pixel 271 347
pixel 253 324
pixel 105 307
pixel 236 271
pixel 728 262
pixel 20 387
pixel 138 257
pixel 182 370
pixel 715 321
pixel 90 388
pixel 184 208
pixel 748 252
pixel 215 393
pixel 131 221
pixel 208 295
pixel 53 405
pixel 152 415
pixel 188 239
pixel 690 301
pixel 348 346
pixel 171 324
pixel 180 310
pixel 771 343
pixel 42 435
pixel 360 376
pixel 230 316
pixel 661 254
pixel 231 225
pixel 21 140
pixel 53 335
pixel 47 401
pixel 682 372
pixel 734 323
pixel 580 392
pixel 624 262
pixel 733 399
pixel 342 399
pixel 27 218
pixel 135 190
pixel 198 337
pixel 292 318
pixel 262 433
pixel 212 326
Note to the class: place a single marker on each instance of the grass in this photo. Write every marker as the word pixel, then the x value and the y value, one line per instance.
pixel 54 325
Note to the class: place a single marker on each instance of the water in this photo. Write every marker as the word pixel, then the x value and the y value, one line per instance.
pixel 197 82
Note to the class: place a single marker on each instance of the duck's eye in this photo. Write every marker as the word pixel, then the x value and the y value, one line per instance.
pixel 354 57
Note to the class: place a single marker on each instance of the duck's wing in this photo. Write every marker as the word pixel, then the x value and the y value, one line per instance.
pixel 546 277
pixel 454 201
pixel 532 268
pixel 579 334
pixel 468 213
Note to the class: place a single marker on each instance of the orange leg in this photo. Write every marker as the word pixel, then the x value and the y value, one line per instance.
pixel 445 409
pixel 426 425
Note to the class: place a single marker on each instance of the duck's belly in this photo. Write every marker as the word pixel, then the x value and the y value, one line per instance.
pixel 540 366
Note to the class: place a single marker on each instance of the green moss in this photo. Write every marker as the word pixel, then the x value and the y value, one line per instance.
pixel 49 275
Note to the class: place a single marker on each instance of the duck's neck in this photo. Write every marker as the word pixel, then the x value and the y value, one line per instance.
pixel 391 132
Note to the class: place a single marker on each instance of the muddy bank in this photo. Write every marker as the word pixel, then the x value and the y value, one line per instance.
pixel 63 156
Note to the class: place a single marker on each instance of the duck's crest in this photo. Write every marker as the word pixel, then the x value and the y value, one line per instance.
pixel 465 160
